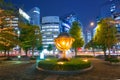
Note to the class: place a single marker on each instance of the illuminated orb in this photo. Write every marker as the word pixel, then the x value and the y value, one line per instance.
pixel 64 42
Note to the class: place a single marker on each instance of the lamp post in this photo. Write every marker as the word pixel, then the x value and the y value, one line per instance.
pixel 92 24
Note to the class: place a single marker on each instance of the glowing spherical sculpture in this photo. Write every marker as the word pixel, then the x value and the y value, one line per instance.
pixel 63 42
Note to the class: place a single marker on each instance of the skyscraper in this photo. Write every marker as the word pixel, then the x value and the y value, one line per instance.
pixel 50 30
pixel 110 8
pixel 24 16
pixel 34 13
pixel 67 20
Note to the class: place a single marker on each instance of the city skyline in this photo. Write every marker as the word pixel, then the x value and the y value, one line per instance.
pixel 87 11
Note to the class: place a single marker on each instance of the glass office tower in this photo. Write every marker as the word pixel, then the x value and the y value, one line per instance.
pixel 67 20
pixel 34 13
pixel 50 30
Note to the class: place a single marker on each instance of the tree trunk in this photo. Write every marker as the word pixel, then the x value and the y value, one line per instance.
pixel 8 55
pixel 5 53
pixel 26 52
pixel 32 52
pixel 20 51
pixel 105 54
pixel 109 54
pixel 75 52
pixel 93 51
pixel 104 49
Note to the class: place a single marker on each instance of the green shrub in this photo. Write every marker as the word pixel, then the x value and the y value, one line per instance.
pixel 32 58
pixel 112 60
pixel 74 64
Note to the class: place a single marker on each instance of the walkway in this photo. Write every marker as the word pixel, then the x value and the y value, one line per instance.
pixel 52 77
pixel 27 71
pixel 100 71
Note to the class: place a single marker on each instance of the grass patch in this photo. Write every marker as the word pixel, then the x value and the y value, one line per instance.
pixel 115 60
pixel 73 64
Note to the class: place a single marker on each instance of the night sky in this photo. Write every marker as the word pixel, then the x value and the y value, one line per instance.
pixel 86 10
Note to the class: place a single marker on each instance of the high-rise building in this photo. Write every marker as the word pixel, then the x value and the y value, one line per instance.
pixel 110 8
pixel 117 19
pixel 34 13
pixel 50 29
pixel 89 36
pixel 24 16
pixel 67 20
pixel 12 21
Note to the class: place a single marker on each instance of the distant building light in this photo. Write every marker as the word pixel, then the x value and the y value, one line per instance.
pixel 22 13
pixel 37 12
pixel 117 18
pixel 66 25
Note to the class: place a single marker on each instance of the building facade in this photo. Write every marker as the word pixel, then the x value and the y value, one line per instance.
pixel 50 30
pixel 24 16
pixel 89 36
pixel 34 13
pixel 117 19
pixel 12 21
pixel 110 8
pixel 67 20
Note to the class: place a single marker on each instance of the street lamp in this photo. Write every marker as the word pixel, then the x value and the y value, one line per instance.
pixel 92 24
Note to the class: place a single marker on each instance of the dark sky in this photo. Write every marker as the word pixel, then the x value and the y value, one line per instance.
pixel 87 10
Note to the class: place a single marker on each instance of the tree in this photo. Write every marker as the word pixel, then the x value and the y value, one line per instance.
pixel 4 14
pixel 24 37
pixel 30 37
pixel 76 32
pixel 7 5
pixel 40 47
pixel 36 38
pixel 106 34
pixel 92 44
pixel 50 47
pixel 8 39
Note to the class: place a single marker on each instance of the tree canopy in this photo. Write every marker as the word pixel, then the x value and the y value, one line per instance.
pixel 50 47
pixel 105 34
pixel 30 37
pixel 76 32
pixel 8 36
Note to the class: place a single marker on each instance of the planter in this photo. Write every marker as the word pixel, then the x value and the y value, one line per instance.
pixel 65 72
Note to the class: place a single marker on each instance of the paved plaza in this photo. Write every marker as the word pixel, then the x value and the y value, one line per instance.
pixel 25 70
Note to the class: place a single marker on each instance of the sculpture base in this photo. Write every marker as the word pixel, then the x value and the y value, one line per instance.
pixel 63 59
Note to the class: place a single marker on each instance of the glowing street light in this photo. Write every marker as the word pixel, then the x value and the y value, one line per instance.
pixel 92 24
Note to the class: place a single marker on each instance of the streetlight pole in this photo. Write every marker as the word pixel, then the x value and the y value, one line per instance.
pixel 92 24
